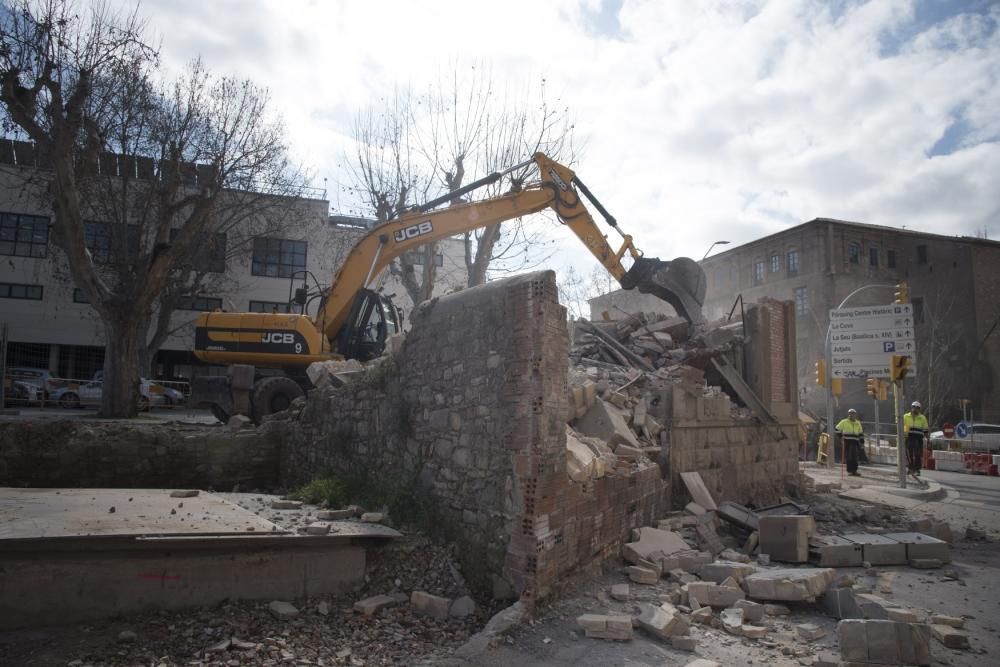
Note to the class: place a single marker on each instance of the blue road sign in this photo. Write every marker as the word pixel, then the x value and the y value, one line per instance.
pixel 889 347
pixel 962 430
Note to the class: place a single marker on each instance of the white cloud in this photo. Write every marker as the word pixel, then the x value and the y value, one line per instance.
pixel 701 120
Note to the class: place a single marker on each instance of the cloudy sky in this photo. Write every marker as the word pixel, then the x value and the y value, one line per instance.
pixel 699 121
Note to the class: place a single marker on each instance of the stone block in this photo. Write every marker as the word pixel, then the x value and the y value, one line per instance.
pixel 580 459
pixel 374 604
pixel 776 610
pixel 834 551
pixel 950 637
pixel 318 528
pixel 664 621
pixel 683 643
pixel 853 640
pixel 620 592
pixel 695 508
pixel 914 643
pixel 752 611
pixel 715 595
pixel 786 538
pixel 925 563
pixel 642 575
pixel 840 603
pixel 788 584
pixel 878 549
pixel 953 621
pixel 693 560
pixel 430 605
pixel 882 644
pixel 462 607
pixel 282 610
pixel 753 631
pixel 599 626
pixel 809 632
pixel 372 517
pixel 606 422
pixel 920 546
pixel 653 545
pixel 719 571
pixel 873 607
pixel 902 615
pixel 732 621
pixel 702 615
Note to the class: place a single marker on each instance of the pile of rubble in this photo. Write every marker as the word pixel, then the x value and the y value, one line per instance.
pixel 706 573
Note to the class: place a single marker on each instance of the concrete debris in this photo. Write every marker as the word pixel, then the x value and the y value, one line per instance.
pixel 654 545
pixel 786 538
pixel 926 563
pixel 282 611
pixel 738 515
pixel 333 373
pixel 753 631
pixel 752 611
pixel 336 515
pixel 620 592
pixel 809 632
pixel 318 528
pixel 286 504
pixel 953 621
pixel 374 604
pixel 788 584
pixel 683 643
pixel 430 605
pixel 949 636
pixel 373 517
pixel 734 556
pixel 642 575
pixel 719 571
pixel 776 610
pixel 702 615
pixel 462 607
pixel 581 460
pixel 606 422
pixel 715 595
pixel 902 615
pixel 599 626
pixel 695 508
pixel 192 493
pixel 922 547
pixel 878 549
pixel 834 551
pixel 702 662
pixel 664 621
pixel 732 621
pixel 696 487
pixel 239 422
pixel 884 642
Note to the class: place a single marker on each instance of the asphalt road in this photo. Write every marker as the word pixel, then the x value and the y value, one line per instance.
pixel 973 488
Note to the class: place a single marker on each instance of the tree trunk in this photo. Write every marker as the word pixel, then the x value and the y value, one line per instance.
pixel 126 342
pixel 478 266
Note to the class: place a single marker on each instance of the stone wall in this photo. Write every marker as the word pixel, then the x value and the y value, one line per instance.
pixel 468 420
pixel 48 454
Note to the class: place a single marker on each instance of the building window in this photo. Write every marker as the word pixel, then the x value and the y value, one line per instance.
pixel 775 263
pixel 890 259
pixel 268 307
pixel 873 256
pixel 792 262
pixel 758 272
pixel 79 296
pixel 23 235
pixel 918 310
pixel 417 259
pixel 801 300
pixel 16 291
pixel 278 258
pixel 200 303
pixel 854 253
pixel 100 238
pixel 921 254
pixel 210 255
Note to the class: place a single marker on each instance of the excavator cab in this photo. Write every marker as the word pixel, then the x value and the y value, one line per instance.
pixel 373 318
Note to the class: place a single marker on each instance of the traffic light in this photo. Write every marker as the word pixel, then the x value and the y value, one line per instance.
pixel 836 386
pixel 900 366
pixel 902 293
pixel 873 387
pixel 883 390
pixel 821 372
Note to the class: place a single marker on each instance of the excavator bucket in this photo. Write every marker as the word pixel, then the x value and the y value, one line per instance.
pixel 679 282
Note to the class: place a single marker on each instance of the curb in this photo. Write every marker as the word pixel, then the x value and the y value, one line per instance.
pixel 934 491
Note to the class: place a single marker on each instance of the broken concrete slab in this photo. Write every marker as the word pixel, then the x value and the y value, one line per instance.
pixel 788 584
pixel 699 492
pixel 599 626
pixel 786 538
pixel 878 549
pixel 282 610
pixel 902 615
pixel 662 621
pixel 642 575
pixel 953 621
pixel 715 595
pixel 695 508
pixel 683 643
pixel 709 538
pixel 753 631
pixel 840 603
pixel 739 515
pixel 732 621
pixel 950 637
pixel 702 615
pixel 872 606
pixel 430 605
pixel 752 611
pixel 809 632
pixel 777 610
pixel 318 528
pixel 372 605
pixel 606 422
pixel 719 571
pixel 653 545
pixel 620 592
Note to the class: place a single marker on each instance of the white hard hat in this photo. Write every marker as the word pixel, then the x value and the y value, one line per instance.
pixel 915 404
pixel 852 410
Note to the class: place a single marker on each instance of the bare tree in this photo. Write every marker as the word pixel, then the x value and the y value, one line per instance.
pixel 430 143
pixel 144 180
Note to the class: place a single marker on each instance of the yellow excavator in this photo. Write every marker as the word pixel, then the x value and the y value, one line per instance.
pixel 268 353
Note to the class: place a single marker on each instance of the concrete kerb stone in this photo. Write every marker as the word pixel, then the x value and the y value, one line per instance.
pixel 714 595
pixel 788 584
pixel 884 642
pixel 664 621
pixel 600 626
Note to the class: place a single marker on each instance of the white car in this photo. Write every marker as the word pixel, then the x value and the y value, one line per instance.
pixel 981 438
pixel 89 394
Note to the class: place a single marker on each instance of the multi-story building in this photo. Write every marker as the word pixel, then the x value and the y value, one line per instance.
pixel 954 285
pixel 50 325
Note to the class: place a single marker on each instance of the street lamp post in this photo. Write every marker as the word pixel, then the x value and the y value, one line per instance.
pixel 712 246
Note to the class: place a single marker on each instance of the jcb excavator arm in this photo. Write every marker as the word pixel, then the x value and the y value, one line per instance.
pixel 558 188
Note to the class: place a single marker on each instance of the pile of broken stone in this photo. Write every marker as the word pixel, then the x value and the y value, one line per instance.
pixel 680 593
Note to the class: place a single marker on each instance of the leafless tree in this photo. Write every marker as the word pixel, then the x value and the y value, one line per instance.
pixel 425 144
pixel 145 180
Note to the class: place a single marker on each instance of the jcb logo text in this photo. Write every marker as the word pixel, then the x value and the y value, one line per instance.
pixel 413 231
pixel 278 338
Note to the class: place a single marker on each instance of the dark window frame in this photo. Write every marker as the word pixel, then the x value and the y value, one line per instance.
pixel 78 296
pixel 278 258
pixel 268 306
pixel 854 252
pixel 7 291
pixel 775 263
pixel 26 235
pixel 758 271
pixel 873 256
pixel 918 310
pixel 104 232
pixel 212 261
pixel 921 254
pixel 199 303
pixel 890 259
pixel 792 262
pixel 800 295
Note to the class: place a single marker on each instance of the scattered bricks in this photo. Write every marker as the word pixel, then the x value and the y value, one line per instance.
pixel 335 515
pixel 664 621
pixel 777 610
pixel 902 615
pixel 620 592
pixel 878 549
pixel 695 508
pixel 752 611
pixel 809 632
pixel 184 494
pixel 703 615
pixel 372 517
pixel 722 570
pixel 919 546
pixel 683 643
pixel 786 538
pixel 430 605
pixel 654 544
pixel 952 621
pixel 753 631
pixel 788 584
pixel 926 563
pixel 318 528
pixel 642 575
pixel 949 636
pixel 286 504
pixel 598 626
pixel 834 551
pixel 702 662
pixel 732 621
pixel 715 595
pixel 840 603
pixel 282 610
pixel 371 606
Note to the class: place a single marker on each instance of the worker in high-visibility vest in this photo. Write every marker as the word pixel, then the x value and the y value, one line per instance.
pixel 852 434
pixel 915 428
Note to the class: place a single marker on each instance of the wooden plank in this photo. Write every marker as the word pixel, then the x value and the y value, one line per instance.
pixel 696 487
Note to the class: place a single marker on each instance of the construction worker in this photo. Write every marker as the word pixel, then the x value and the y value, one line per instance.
pixel 852 434
pixel 915 428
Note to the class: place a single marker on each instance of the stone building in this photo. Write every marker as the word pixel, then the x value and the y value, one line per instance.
pixel 50 325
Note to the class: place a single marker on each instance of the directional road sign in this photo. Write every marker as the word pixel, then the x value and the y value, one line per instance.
pixel 863 339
